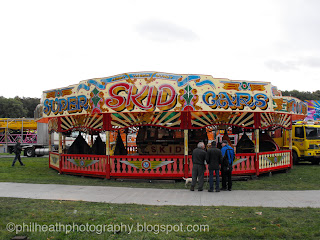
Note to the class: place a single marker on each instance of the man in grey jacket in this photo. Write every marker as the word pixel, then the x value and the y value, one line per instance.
pixel 198 169
pixel 214 159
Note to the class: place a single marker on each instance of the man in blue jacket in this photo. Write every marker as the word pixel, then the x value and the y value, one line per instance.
pixel 228 156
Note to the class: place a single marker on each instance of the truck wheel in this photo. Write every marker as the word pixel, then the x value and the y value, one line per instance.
pixel 295 158
pixel 29 152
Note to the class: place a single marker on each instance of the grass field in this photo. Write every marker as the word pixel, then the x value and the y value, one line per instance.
pixel 219 222
pixel 301 177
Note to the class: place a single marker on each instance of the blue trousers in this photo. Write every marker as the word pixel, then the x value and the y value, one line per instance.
pixel 17 157
pixel 211 179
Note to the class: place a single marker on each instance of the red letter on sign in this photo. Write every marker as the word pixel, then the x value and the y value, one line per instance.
pixel 115 101
pixel 167 97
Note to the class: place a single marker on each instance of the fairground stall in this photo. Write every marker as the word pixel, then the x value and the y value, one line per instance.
pixel 14 129
pixel 166 115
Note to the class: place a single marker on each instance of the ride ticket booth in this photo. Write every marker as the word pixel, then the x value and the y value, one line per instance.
pixel 146 124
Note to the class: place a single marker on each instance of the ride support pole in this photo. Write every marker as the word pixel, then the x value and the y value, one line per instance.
pixel 186 168
pixel 290 147
pixel 108 154
pixel 256 149
pixel 50 144
pixel 60 152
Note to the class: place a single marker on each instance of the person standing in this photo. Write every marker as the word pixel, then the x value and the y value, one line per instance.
pixel 214 159
pixel 198 158
pixel 228 156
pixel 17 151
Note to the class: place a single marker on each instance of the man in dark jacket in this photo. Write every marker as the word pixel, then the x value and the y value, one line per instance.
pixel 214 159
pixel 198 158
pixel 228 156
pixel 17 151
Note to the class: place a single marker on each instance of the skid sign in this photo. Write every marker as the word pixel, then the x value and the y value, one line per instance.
pixel 148 98
pixel 157 92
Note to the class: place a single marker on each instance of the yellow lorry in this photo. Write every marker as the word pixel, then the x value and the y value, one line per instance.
pixel 24 129
pixel 305 141
pixel 34 136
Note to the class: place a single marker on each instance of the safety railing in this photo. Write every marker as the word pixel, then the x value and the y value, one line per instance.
pixel 84 164
pixel 162 166
pixel 147 166
pixel 269 161
pixel 244 164
pixel 54 160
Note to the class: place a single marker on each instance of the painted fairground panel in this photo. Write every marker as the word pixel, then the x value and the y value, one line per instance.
pixel 284 104
pixel 152 167
pixel 244 164
pixel 151 91
pixel 313 110
pixel 170 120
pixel 54 160
pixel 274 160
pixel 84 164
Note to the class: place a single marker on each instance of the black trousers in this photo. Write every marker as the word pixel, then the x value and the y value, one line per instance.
pixel 17 157
pixel 226 178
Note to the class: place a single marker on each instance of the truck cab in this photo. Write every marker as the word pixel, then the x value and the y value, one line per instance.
pixel 305 142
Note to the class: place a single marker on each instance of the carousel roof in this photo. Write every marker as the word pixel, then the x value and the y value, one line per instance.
pixel 162 92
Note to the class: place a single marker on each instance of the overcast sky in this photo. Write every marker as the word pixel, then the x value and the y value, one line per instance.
pixel 53 44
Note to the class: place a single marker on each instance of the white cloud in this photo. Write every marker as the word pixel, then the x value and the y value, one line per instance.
pixel 47 45
pixel 282 66
pixel 313 62
pixel 300 21
pixel 164 31
pixel 294 64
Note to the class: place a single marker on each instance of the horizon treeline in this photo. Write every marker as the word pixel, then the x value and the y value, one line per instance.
pixel 18 107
